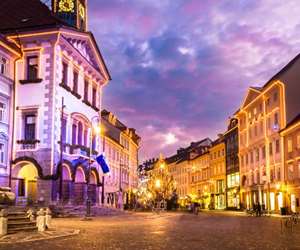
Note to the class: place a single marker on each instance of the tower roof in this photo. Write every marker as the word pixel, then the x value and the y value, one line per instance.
pixel 22 15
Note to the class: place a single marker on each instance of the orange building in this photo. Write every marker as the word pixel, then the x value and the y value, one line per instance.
pixel 264 112
pixel 291 187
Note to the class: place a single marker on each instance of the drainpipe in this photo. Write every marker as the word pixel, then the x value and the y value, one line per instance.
pixel 13 117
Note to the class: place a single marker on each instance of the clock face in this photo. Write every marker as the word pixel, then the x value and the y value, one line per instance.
pixel 81 10
pixel 66 6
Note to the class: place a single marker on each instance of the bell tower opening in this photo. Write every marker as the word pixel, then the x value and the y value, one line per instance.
pixel 73 12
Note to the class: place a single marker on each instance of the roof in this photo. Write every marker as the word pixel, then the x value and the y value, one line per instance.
pixel 22 15
pixel 292 122
pixel 10 44
pixel 283 70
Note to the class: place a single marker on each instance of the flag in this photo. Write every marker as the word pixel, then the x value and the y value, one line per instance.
pixel 79 161
pixel 103 164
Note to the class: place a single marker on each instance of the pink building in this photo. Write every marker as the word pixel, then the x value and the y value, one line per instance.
pixel 57 59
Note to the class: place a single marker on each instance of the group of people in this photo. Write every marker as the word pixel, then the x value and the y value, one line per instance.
pixel 258 209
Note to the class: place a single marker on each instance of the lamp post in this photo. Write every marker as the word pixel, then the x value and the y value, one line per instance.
pixel 97 130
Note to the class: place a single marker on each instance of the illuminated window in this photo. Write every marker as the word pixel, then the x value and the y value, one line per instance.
pixel 290 145
pixel 32 67
pixel 290 172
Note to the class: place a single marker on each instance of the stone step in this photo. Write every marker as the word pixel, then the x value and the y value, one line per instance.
pixel 18 223
pixel 21 228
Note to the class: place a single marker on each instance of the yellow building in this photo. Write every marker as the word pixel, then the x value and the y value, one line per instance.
pixel 218 173
pixel 120 145
pixel 200 183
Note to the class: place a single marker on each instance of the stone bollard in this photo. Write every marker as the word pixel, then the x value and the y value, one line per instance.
pixel 3 222
pixel 30 214
pixel 40 220
pixel 48 218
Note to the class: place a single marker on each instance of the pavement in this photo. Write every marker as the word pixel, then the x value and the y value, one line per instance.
pixel 178 231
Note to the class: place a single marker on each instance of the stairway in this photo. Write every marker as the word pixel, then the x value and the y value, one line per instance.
pixel 19 222
pixel 80 211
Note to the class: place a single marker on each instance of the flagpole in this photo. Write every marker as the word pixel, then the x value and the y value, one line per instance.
pixel 61 151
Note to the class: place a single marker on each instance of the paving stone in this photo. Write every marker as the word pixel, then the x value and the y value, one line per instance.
pixel 146 231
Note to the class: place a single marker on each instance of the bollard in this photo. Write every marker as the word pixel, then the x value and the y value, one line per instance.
pixel 48 218
pixel 30 214
pixel 3 222
pixel 40 220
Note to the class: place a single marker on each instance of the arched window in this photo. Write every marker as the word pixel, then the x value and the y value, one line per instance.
pixel 86 137
pixel 80 130
pixel 74 131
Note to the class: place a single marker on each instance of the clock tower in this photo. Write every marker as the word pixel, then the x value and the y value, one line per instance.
pixel 73 12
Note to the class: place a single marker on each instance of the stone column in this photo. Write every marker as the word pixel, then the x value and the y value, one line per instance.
pixel 40 220
pixel 3 222
pixel 48 218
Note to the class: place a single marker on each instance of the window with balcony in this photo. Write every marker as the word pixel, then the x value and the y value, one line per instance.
pixel 80 134
pixel 29 127
pixel 74 134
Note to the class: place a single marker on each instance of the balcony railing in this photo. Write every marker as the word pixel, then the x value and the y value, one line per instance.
pixel 28 144
pixel 78 150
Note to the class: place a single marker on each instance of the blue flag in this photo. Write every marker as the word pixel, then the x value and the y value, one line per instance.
pixel 103 164
pixel 79 161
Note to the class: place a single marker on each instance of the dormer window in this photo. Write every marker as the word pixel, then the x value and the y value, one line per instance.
pixel 32 67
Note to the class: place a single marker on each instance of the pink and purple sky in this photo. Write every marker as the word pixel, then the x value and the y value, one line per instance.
pixel 180 68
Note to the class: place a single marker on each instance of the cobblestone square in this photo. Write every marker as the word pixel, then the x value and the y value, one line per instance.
pixel 170 231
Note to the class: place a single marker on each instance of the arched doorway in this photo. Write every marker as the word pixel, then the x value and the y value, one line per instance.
pixel 26 186
pixel 92 188
pixel 67 182
pixel 79 186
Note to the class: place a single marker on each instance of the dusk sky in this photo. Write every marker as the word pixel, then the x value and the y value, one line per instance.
pixel 180 68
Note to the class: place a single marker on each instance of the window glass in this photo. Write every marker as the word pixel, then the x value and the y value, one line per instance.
pixel 2 111
pixel 32 67
pixel 30 127
pixel 2 150
pixel 3 66
pixel 75 81
pixel 290 145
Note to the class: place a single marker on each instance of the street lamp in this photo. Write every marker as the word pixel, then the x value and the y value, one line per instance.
pixel 97 130
pixel 157 184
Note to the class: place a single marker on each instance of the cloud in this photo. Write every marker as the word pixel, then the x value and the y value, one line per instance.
pixel 181 68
